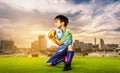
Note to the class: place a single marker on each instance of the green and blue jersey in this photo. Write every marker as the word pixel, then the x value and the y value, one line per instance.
pixel 64 36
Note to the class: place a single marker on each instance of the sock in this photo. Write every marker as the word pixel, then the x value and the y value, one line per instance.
pixel 70 56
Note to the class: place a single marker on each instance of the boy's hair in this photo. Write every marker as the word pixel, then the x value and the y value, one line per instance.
pixel 62 18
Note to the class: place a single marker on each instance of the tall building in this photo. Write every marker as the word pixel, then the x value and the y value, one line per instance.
pixel 42 42
pixel 102 44
pixel 77 46
pixel 7 46
pixel 39 46
pixel 95 45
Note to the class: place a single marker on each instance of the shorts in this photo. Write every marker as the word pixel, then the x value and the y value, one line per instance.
pixel 59 54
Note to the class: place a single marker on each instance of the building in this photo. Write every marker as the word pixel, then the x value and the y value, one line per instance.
pixel 50 51
pixel 111 46
pixel 35 45
pixel 81 45
pixel 95 45
pixel 0 49
pixel 42 42
pixel 53 48
pixel 23 51
pixel 88 46
pixel 77 46
pixel 102 44
pixel 95 41
pixel 119 45
pixel 7 46
pixel 39 46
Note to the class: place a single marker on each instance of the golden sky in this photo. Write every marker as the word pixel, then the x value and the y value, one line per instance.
pixel 24 20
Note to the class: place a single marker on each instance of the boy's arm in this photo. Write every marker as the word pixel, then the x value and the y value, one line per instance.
pixel 51 36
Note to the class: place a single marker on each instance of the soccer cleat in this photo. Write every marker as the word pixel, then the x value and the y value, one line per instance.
pixel 67 67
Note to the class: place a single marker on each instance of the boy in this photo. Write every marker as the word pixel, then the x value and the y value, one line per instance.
pixel 65 50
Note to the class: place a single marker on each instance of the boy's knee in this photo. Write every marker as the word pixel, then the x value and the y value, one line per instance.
pixel 70 48
pixel 48 64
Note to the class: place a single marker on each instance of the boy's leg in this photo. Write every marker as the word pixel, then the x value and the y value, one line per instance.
pixel 56 61
pixel 70 54
pixel 58 56
pixel 51 60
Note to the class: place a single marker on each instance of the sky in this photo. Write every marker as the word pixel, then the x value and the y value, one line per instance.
pixel 24 20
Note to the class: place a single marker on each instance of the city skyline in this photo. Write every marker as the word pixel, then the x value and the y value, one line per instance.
pixel 39 47
pixel 24 20
pixel 44 43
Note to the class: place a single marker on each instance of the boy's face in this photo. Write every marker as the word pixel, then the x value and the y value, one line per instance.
pixel 58 24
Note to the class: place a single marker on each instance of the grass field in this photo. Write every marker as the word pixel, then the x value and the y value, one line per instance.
pixel 79 65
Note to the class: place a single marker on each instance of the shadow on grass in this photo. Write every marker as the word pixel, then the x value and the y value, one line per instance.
pixel 76 67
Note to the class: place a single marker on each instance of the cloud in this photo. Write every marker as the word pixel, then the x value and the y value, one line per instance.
pixel 81 1
pixel 88 18
pixel 101 19
pixel 118 29
pixel 15 24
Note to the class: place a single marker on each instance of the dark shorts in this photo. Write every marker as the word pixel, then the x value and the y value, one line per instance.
pixel 59 54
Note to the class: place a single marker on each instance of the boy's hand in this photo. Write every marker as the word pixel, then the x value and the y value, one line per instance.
pixel 51 35
pixel 58 42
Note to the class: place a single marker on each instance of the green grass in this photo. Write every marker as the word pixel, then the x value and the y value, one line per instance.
pixel 79 65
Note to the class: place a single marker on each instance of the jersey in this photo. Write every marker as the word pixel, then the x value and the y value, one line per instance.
pixel 66 37
pixel 58 33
